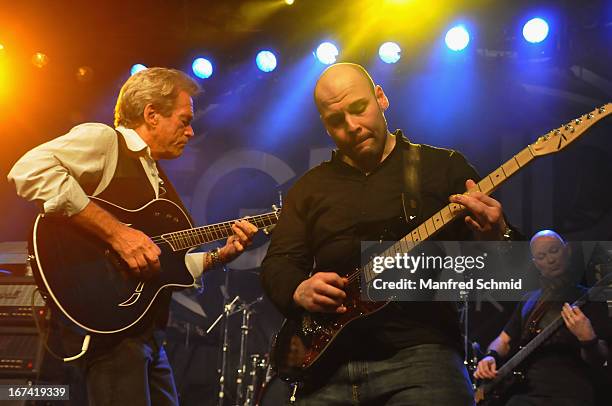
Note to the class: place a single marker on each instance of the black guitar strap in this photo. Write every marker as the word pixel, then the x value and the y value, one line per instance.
pixel 167 191
pixel 411 195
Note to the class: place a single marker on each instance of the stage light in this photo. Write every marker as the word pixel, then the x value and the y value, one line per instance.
pixel 327 53
pixel 389 52
pixel 84 74
pixel 266 61
pixel 535 30
pixel 137 68
pixel 202 68
pixel 457 38
pixel 40 60
pixel 289 2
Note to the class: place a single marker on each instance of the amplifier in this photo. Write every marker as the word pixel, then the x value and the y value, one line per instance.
pixel 21 352
pixel 16 296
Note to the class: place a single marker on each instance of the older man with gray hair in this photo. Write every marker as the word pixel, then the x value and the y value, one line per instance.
pixel 153 118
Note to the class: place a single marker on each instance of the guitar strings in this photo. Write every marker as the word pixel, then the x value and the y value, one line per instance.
pixel 187 235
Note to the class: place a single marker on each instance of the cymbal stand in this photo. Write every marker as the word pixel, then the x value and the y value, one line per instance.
pixel 227 311
pixel 246 310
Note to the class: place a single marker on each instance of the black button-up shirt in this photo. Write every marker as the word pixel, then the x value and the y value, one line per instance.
pixel 334 206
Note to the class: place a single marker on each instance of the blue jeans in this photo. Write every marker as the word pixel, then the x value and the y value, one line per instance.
pixel 135 372
pixel 427 375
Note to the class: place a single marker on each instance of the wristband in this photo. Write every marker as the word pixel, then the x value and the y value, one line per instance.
pixel 495 355
pixel 215 258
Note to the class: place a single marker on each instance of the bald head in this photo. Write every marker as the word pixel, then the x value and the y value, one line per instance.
pixel 352 111
pixel 339 75
pixel 550 253
pixel 545 234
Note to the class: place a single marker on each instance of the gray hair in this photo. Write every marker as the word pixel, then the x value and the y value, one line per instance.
pixel 156 86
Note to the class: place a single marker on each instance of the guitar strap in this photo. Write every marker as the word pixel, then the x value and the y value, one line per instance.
pixel 411 195
pixel 167 191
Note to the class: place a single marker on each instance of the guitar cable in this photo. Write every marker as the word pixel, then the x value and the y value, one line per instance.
pixel 45 334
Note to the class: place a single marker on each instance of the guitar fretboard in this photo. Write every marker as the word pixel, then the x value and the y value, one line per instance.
pixel 453 210
pixel 513 362
pixel 549 143
pixel 194 237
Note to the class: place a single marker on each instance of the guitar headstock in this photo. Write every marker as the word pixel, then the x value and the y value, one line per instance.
pixel 558 139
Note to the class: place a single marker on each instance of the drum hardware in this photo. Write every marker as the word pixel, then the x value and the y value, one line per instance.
pixel 471 350
pixel 227 311
pixel 230 309
pixel 257 378
pixel 246 310
pixel 271 390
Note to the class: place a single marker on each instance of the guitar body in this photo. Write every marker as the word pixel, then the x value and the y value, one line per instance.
pixel 88 282
pixel 301 343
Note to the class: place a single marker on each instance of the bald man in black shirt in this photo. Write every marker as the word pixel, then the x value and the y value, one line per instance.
pixel 408 353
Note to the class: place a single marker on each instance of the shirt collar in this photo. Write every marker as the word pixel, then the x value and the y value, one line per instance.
pixel 133 140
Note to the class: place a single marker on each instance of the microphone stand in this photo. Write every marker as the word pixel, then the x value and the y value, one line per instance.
pixel 469 348
pixel 227 311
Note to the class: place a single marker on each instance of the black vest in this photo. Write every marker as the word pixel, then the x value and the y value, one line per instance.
pixel 130 188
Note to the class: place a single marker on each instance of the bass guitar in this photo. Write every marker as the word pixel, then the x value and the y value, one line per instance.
pixel 489 391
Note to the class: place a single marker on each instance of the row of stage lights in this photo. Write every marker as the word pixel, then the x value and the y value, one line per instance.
pixel 456 39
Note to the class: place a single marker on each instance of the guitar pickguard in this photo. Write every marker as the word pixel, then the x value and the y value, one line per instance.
pixel 135 296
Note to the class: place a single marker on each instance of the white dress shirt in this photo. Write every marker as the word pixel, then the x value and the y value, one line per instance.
pixel 50 174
